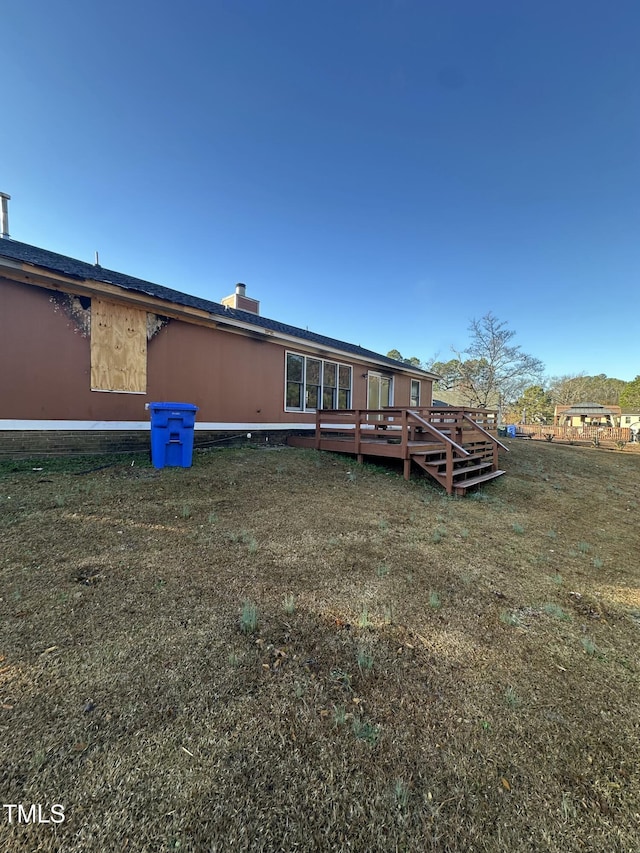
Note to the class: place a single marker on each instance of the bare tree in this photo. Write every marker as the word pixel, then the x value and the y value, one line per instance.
pixel 568 389
pixel 581 388
pixel 493 371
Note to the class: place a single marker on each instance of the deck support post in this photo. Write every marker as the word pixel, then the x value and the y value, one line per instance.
pixel 358 419
pixel 404 420
pixel 449 471
pixel 407 468
pixel 317 429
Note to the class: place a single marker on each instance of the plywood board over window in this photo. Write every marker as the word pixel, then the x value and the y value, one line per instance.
pixel 118 348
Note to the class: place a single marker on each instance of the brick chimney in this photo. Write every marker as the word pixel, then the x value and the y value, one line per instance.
pixel 241 301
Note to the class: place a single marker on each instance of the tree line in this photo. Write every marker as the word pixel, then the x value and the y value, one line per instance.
pixel 493 372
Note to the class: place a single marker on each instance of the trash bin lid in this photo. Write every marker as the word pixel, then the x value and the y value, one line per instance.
pixel 188 407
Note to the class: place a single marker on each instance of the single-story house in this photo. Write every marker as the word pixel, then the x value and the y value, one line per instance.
pixel 586 414
pixel 83 349
pixel 630 419
pixel 629 416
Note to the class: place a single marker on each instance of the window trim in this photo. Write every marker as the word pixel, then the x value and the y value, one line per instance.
pixel 419 384
pixel 337 388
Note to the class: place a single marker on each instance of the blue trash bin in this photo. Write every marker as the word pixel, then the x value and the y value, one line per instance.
pixel 172 426
pixel 511 430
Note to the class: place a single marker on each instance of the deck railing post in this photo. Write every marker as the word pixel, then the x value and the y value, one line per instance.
pixel 449 472
pixel 405 434
pixel 459 426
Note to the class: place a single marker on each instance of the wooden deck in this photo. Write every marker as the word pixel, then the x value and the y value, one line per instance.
pixel 457 447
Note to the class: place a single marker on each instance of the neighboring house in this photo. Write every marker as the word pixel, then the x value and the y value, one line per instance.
pixel 629 416
pixel 586 414
pixel 630 419
pixel 83 349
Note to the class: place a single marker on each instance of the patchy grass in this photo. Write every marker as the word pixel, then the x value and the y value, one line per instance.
pixel 245 674
pixel 249 617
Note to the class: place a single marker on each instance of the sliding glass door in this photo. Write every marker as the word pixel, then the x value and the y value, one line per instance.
pixel 379 391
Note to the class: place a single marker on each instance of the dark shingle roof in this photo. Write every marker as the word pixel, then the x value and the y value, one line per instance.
pixel 82 270
pixel 587 409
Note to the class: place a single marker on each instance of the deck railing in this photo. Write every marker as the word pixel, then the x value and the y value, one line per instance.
pixel 408 425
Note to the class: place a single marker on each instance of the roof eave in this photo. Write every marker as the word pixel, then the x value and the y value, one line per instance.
pixel 40 275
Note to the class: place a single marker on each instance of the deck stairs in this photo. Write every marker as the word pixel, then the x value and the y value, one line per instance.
pixel 466 454
pixel 468 471
pixel 456 447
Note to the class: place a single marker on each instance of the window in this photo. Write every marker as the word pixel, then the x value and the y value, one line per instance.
pixel 329 385
pixel 344 386
pixel 415 392
pixel 295 381
pixel 313 383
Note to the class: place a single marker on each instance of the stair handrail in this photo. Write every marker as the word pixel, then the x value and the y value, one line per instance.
pixel 439 435
pixel 486 432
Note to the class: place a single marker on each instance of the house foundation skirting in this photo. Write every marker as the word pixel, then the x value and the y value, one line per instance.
pixel 69 439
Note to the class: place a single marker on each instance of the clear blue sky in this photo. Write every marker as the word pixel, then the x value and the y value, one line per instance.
pixel 380 172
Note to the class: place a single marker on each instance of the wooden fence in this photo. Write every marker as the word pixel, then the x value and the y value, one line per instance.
pixel 581 433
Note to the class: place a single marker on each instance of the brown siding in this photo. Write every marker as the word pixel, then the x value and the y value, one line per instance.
pixel 39 346
pixel 402 391
pixel 230 377
pixel 46 369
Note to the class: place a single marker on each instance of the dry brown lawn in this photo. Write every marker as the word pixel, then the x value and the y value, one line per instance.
pixel 425 674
